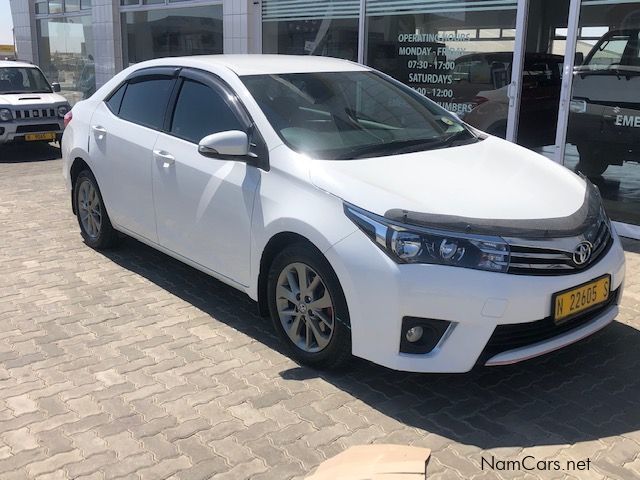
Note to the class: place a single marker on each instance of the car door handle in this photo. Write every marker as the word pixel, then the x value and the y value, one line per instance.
pixel 101 131
pixel 166 157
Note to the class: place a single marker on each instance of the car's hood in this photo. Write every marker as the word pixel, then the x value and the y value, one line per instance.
pixel 491 179
pixel 26 99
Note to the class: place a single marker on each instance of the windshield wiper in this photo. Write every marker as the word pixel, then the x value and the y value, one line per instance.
pixel 462 137
pixel 382 149
pixel 617 71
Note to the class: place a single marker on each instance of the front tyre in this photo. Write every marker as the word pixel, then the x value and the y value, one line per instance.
pixel 308 307
pixel 95 226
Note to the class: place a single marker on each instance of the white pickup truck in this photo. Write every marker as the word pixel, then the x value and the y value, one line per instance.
pixel 30 107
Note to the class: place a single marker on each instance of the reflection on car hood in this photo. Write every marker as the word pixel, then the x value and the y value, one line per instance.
pixel 491 179
pixel 26 99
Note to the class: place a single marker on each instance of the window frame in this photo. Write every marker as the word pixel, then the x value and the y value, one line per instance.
pixel 258 149
pixel 84 9
pixel 633 39
pixel 108 98
pixel 139 76
pixel 227 95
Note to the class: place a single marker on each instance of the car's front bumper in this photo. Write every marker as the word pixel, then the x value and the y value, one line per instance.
pixel 380 293
pixel 16 131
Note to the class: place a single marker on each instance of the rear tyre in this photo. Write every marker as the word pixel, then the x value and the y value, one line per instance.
pixel 95 226
pixel 308 307
pixel 593 161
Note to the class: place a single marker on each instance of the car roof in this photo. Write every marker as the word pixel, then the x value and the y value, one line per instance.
pixel 257 64
pixel 11 63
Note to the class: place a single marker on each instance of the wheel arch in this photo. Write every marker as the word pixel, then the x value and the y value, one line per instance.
pixel 275 245
pixel 77 166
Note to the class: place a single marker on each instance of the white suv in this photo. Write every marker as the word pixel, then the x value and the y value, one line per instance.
pixel 361 216
pixel 30 108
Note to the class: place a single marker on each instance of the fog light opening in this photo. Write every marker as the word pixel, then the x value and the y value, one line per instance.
pixel 421 335
pixel 414 334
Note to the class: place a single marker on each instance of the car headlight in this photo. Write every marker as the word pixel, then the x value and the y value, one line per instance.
pixel 63 109
pixel 5 115
pixel 409 244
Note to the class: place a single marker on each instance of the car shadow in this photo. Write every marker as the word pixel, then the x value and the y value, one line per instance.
pixel 29 152
pixel 586 391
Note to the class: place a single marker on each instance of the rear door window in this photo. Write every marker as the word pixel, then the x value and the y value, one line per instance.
pixel 145 101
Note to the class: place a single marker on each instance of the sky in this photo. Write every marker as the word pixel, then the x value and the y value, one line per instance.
pixel 6 37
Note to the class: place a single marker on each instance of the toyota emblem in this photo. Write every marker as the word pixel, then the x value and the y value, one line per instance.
pixel 582 253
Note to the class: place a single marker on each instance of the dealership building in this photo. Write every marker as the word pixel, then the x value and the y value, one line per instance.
pixel 503 65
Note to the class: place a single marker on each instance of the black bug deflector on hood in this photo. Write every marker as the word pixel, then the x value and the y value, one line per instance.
pixel 568 226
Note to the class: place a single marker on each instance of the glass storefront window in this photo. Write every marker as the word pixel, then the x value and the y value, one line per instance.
pixel 603 136
pixel 71 5
pixel 55 6
pixel 65 47
pixel 171 32
pixel 457 53
pixel 327 28
pixel 42 8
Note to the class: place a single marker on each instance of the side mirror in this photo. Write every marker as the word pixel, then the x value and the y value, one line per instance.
pixel 232 144
pixel 55 86
pixel 579 59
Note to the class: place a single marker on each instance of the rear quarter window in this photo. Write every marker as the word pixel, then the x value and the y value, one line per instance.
pixel 115 99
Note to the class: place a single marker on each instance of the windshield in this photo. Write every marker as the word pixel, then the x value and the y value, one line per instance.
pixel 347 115
pixel 22 80
pixel 616 51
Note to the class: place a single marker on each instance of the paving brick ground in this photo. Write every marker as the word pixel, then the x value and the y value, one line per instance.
pixel 129 364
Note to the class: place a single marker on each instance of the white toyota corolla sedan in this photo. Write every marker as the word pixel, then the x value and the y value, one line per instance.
pixel 361 216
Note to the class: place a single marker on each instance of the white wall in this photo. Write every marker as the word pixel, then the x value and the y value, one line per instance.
pixel 241 30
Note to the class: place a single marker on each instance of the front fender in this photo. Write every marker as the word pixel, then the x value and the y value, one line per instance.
pixel 320 219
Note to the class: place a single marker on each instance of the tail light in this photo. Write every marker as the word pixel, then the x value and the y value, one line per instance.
pixel 67 118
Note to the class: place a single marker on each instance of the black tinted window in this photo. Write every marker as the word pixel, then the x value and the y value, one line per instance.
pixel 144 102
pixel 116 99
pixel 201 111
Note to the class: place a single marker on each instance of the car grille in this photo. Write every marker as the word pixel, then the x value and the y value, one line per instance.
pixel 517 335
pixel 39 127
pixel 35 113
pixel 530 260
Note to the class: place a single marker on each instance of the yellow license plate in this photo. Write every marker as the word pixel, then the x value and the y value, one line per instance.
pixel 34 137
pixel 578 299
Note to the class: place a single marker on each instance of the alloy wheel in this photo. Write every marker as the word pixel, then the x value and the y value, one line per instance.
pixel 90 209
pixel 305 307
